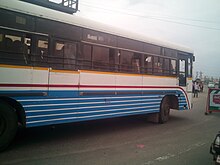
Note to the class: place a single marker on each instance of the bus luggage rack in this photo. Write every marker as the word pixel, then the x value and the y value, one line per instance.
pixel 66 6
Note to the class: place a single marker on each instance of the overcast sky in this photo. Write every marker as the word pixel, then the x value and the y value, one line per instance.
pixel 193 23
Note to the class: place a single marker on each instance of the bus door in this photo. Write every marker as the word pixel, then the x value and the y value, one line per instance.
pixel 182 69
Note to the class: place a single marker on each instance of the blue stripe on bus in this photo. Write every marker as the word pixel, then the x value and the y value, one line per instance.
pixel 86 118
pixel 68 106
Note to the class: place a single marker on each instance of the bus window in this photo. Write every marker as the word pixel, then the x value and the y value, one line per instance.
pixel 100 58
pixel 182 65
pixel 27 45
pixel 64 55
pixel 154 49
pixel 13 43
pixel 1 41
pixel 59 49
pixel 42 48
pixel 182 72
pixel 42 44
pixel 84 58
pixel 69 55
pixel 8 44
pixel 157 66
pixel 170 52
pixel 166 66
pixel 125 61
pixel 40 58
pixel 136 63
pixel 57 58
pixel 173 67
pixel 189 67
pixel 148 64
pixel 113 60
pixel 12 46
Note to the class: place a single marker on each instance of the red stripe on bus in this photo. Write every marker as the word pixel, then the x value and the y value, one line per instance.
pixel 88 86
pixel 82 86
pixel 38 85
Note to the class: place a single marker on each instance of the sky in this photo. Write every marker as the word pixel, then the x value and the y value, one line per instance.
pixel 195 24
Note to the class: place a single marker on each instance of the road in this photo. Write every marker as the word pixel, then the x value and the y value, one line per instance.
pixel 184 140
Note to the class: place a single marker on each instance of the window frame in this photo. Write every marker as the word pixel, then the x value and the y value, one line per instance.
pixel 13 56
pixel 99 64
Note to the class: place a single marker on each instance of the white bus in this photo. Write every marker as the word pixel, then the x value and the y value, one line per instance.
pixel 59 68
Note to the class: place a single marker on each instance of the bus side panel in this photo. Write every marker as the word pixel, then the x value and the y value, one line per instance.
pixel 15 75
pixel 89 78
pixel 51 109
pixel 129 80
pixel 61 80
pixel 112 95
pixel 23 79
pixel 154 85
pixel 159 81
pixel 102 100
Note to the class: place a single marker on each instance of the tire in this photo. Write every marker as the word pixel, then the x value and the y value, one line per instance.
pixel 8 125
pixel 164 110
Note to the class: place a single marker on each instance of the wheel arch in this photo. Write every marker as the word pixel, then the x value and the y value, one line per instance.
pixel 173 100
pixel 18 109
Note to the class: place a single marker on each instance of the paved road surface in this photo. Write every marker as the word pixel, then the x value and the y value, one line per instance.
pixel 184 140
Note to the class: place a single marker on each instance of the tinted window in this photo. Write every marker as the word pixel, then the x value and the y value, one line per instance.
pixel 152 49
pixel 12 48
pixel 125 61
pixel 84 58
pixel 100 58
pixel 13 43
pixel 69 55
pixel 113 60
pixel 170 52
pixel 41 55
pixel 130 44
pixel 173 67
pixel 148 64
pixel 64 55
pixel 166 66
pixel 158 65
pixel 136 63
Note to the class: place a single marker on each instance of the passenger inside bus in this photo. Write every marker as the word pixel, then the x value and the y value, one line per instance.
pixel 136 65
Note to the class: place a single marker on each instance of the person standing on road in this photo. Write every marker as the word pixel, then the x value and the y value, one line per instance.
pixel 201 87
pixel 196 89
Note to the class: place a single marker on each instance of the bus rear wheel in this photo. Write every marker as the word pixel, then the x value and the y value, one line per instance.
pixel 164 110
pixel 8 125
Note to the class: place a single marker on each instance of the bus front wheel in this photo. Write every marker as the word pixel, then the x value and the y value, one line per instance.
pixel 8 125
pixel 164 110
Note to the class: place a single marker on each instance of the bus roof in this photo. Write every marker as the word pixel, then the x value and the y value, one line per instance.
pixel 31 9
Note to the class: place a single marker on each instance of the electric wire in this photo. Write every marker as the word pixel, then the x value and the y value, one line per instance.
pixel 170 19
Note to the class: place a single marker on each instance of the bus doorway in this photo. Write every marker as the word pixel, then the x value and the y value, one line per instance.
pixel 182 69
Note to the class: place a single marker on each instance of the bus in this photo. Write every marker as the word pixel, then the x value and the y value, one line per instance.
pixel 59 68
